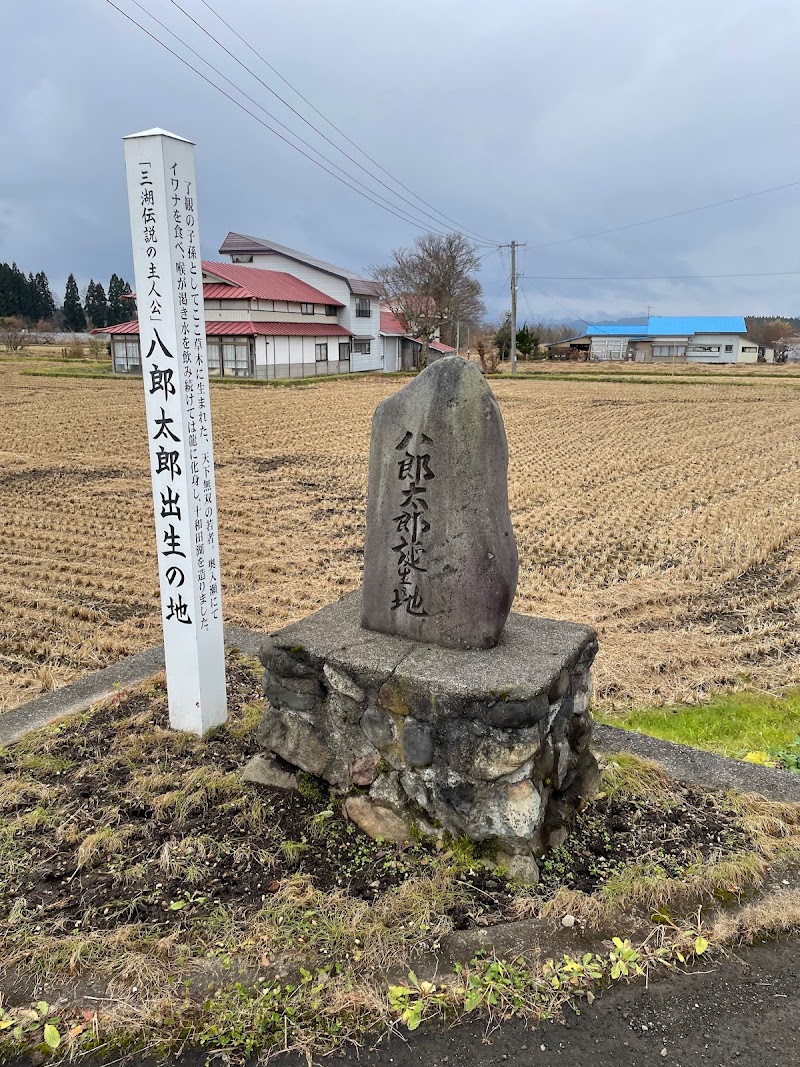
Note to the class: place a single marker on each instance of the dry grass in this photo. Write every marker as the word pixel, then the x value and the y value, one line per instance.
pixel 667 516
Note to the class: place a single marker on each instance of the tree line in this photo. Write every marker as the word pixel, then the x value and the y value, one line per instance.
pixel 29 299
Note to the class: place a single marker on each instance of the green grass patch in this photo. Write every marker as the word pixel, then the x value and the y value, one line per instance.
pixel 747 725
pixel 648 379
pixel 73 372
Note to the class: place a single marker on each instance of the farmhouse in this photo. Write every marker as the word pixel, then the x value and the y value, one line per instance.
pixel 274 312
pixel 401 350
pixel 673 338
pixel 263 324
pixel 380 337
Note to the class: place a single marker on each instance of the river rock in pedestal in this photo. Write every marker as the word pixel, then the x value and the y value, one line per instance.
pixel 440 559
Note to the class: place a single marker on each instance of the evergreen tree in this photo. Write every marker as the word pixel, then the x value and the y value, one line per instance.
pixel 88 305
pixel 129 310
pixel 30 305
pixel 47 306
pixel 96 306
pixel 115 311
pixel 18 293
pixel 8 306
pixel 74 318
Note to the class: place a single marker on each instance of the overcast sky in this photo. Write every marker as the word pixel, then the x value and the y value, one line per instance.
pixel 529 120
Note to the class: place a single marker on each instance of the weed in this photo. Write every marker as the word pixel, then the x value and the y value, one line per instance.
pixel 311 788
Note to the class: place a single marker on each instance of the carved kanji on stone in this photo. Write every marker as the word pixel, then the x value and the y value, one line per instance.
pixel 440 559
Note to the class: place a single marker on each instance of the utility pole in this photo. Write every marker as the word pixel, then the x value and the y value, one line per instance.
pixel 458 338
pixel 513 307
pixel 514 245
pixel 468 344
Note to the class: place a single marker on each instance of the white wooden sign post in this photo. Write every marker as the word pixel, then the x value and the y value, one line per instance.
pixel 162 196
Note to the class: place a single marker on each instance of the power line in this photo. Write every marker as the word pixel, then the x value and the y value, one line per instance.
pixel 580 318
pixel 672 215
pixel 653 277
pixel 395 209
pixel 302 117
pixel 333 125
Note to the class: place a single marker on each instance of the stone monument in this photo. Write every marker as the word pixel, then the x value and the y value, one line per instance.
pixel 420 698
pixel 440 559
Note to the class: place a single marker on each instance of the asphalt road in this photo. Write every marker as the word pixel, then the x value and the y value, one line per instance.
pixel 745 1011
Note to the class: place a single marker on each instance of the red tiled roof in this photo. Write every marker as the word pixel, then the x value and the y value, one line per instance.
pixel 277 329
pixel 392 323
pixel 225 291
pixel 121 327
pixel 265 284
pixel 437 346
pixel 249 329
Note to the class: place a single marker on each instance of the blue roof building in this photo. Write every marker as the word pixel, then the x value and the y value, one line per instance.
pixel 672 338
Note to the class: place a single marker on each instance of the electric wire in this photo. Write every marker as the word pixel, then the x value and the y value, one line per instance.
pixel 338 130
pixel 672 215
pixel 654 277
pixel 395 207
pixel 302 118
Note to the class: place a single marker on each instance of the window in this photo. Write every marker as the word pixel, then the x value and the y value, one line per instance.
pixel 330 310
pixel 229 357
pixel 669 350
pixel 344 351
pixel 728 348
pixel 746 348
pixel 127 359
pixel 363 307
pixel 214 364
pixel 321 351
pixel 361 347
pixel 236 358
pixel 306 309
pixel 704 348
pixel 241 259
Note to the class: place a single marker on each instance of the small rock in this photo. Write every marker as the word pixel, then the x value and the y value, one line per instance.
pixel 364 769
pixel 557 837
pixel 417 743
pixel 522 869
pixel 386 791
pixel 663 1052
pixel 342 683
pixel 375 821
pixel 568 921
pixel 378 727
pixel 264 770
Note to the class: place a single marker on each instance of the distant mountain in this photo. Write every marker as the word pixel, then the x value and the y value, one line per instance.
pixel 580 324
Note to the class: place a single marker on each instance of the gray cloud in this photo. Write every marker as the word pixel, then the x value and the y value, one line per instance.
pixel 526 120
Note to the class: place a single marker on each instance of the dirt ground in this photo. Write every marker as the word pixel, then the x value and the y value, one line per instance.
pixel 664 514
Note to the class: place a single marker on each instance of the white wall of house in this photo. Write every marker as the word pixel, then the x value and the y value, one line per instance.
pixel 335 287
pixel 667 349
pixel 296 357
pixel 713 348
pixel 748 351
pixel 391 352
pixel 609 348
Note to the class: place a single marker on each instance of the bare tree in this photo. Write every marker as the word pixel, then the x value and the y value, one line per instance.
pixel 12 335
pixel 488 353
pixel 770 333
pixel 433 286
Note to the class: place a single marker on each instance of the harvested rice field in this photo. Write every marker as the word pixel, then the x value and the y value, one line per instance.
pixel 666 515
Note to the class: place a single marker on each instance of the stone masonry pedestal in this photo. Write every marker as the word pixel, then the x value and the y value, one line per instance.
pixel 488 743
